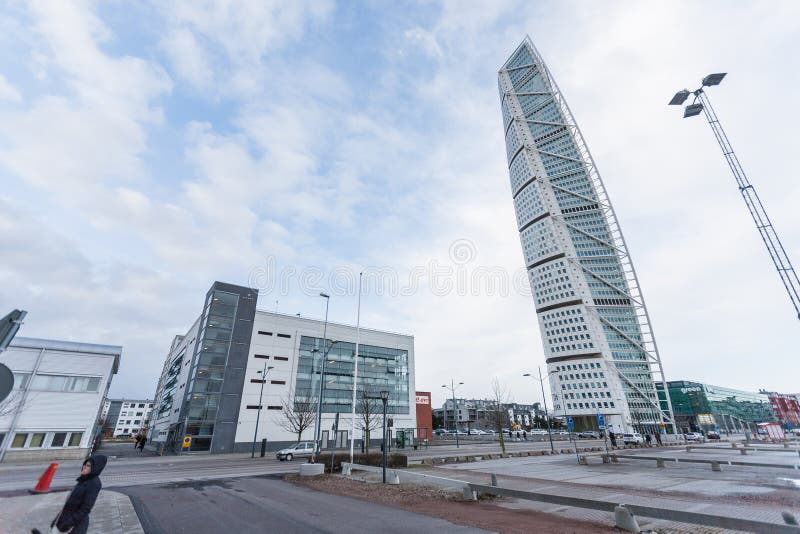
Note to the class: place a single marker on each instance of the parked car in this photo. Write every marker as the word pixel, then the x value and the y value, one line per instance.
pixel 477 432
pixel 440 431
pixel 632 439
pixel 460 432
pixel 561 432
pixel 489 431
pixel 300 450
pixel 590 434
pixel 538 432
pixel 713 434
pixel 694 436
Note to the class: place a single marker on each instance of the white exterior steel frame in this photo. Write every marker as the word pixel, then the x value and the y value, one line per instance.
pixel 517 83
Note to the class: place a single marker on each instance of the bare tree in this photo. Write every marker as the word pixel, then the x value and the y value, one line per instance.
pixel 15 401
pixel 496 412
pixel 298 413
pixel 369 413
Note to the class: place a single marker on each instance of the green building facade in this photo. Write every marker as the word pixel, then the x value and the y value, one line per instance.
pixel 699 406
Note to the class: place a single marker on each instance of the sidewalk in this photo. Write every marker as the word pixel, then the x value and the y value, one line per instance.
pixel 113 512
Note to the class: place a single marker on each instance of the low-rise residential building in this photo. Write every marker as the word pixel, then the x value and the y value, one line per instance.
pixel 239 375
pixel 125 417
pixel 59 391
pixel 475 413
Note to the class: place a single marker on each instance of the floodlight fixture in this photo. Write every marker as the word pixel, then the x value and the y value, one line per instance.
pixel 692 110
pixel 713 79
pixel 680 97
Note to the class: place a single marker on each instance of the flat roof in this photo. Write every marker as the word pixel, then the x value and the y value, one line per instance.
pixel 322 321
pixel 69 346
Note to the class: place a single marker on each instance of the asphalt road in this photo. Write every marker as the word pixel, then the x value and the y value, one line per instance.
pixel 124 469
pixel 268 504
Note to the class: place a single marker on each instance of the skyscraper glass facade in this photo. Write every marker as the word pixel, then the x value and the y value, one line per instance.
pixel 594 325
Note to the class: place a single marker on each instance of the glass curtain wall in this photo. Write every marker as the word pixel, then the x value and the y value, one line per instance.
pixel 208 369
pixel 379 368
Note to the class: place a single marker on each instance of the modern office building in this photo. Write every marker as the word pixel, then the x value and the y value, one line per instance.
pixel 125 417
pixel 704 407
pixel 212 387
pixel 595 328
pixel 59 390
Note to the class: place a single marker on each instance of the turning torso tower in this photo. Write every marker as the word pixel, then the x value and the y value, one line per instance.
pixel 595 329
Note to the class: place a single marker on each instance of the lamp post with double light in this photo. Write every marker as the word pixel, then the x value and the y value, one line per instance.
pixel 326 349
pixel 263 374
pixel 453 387
pixel 544 400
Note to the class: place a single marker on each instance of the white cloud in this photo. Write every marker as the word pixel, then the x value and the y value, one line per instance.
pixel 188 58
pixel 8 92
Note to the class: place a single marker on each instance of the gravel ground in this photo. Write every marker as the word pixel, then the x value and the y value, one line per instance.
pixel 485 514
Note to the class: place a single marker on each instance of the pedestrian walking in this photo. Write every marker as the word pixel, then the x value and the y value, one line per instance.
pixel 140 444
pixel 658 438
pixel 136 444
pixel 648 439
pixel 613 439
pixel 524 435
pixel 74 516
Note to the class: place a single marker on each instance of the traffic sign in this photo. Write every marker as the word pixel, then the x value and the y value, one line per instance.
pixel 570 424
pixel 601 422
pixel 187 441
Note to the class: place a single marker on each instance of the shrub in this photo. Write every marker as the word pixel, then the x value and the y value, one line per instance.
pixel 375 459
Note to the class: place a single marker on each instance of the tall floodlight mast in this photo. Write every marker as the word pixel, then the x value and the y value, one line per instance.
pixel 780 259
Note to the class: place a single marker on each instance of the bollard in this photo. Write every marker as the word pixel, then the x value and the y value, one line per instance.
pixel 582 460
pixel 394 479
pixel 625 520
pixel 606 459
pixel 789 519
pixel 688 448
pixel 347 470
pixel 614 459
pixel 734 445
pixel 494 480
pixel 263 447
pixel 743 452
pixel 469 495
pixel 660 462
pixel 715 466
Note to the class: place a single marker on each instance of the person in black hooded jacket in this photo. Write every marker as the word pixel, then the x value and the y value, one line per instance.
pixel 75 514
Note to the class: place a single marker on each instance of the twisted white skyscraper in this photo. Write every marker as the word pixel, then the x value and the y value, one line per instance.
pixel 595 328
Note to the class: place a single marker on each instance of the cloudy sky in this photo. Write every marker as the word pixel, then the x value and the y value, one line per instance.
pixel 149 149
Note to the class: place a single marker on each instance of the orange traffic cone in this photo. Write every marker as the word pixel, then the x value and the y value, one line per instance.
pixel 43 486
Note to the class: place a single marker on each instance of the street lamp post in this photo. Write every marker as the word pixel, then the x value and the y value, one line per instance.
pixel 453 387
pixel 318 425
pixel 384 398
pixel 263 374
pixel 544 400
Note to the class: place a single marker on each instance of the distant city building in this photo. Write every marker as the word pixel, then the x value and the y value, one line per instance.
pixel 210 383
pixel 595 328
pixel 475 413
pixel 786 407
pixel 701 406
pixel 125 417
pixel 60 387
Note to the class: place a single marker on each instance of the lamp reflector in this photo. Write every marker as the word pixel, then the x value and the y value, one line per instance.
pixel 713 79
pixel 692 110
pixel 679 98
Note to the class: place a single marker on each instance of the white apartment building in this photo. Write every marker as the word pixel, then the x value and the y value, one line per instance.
pixel 126 417
pixel 211 384
pixel 59 390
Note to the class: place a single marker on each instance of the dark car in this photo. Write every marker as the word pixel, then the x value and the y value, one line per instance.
pixel 712 434
pixel 590 434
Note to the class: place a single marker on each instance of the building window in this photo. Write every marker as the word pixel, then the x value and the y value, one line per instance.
pixel 280 358
pixel 274 407
pixel 263 333
pixel 65 383
pixel 254 406
pixel 278 382
pixel 75 439
pixel 37 439
pixel 257 381
pixel 287 336
pixel 262 356
pixel 21 380
pixel 58 439
pixel 19 440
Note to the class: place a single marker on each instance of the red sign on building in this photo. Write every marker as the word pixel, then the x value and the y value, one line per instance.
pixel 424 415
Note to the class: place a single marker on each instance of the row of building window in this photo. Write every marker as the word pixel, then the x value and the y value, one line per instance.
pixel 584 405
pixel 265 333
pixel 46 382
pixel 38 440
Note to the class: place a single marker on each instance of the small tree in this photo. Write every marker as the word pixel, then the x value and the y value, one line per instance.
pixel 14 402
pixel 496 413
pixel 370 413
pixel 298 413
